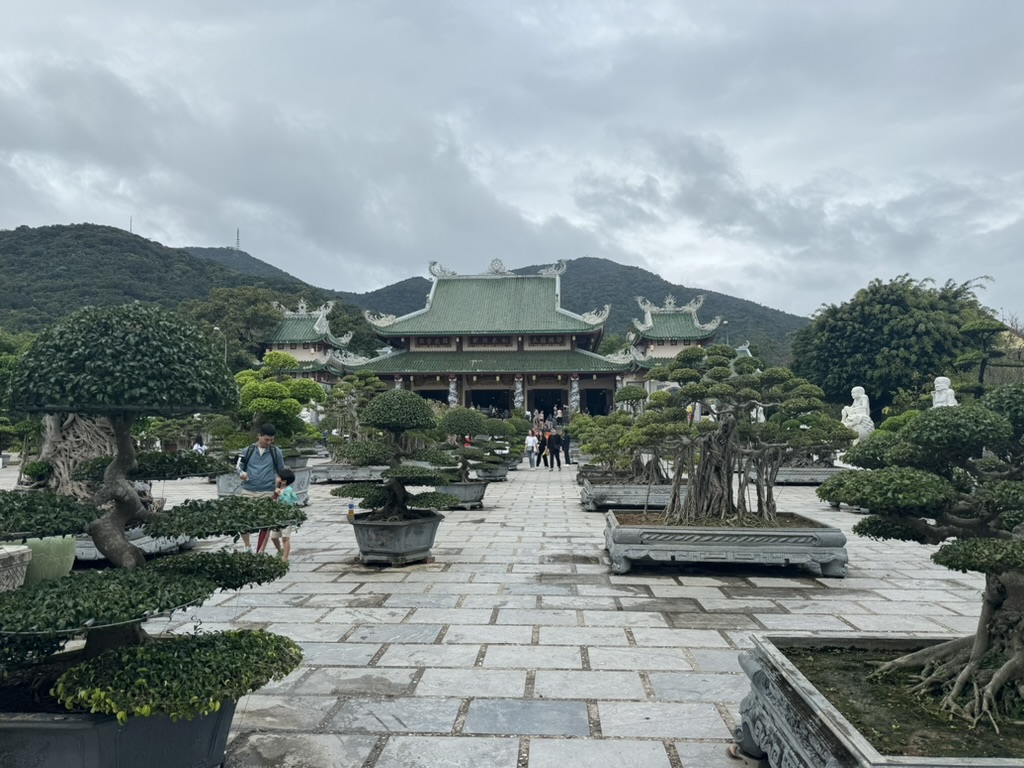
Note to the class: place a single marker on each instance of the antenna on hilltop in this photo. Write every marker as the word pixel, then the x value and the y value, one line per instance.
pixel 238 239
pixel 130 225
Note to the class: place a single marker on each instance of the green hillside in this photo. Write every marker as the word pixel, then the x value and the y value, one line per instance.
pixel 240 261
pixel 52 271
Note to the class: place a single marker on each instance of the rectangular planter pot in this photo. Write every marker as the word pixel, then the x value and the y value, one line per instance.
pixel 789 723
pixel 815 544
pixel 230 485
pixel 75 740
pixel 596 496
pixel 471 494
pixel 14 560
pixel 802 475
pixel 343 473
pixel 397 542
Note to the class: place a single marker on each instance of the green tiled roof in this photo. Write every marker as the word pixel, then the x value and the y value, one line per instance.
pixel 682 324
pixel 491 304
pixel 301 330
pixel 555 361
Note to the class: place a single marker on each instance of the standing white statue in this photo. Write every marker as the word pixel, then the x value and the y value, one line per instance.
pixel 857 415
pixel 943 395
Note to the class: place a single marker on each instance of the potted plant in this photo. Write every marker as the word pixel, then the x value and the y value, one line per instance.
pixel 399 527
pixel 127 690
pixel 952 477
pixel 355 456
pixel 455 425
pixel 756 417
pixel 631 448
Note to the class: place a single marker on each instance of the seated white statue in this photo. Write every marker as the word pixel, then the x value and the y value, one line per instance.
pixel 943 395
pixel 857 416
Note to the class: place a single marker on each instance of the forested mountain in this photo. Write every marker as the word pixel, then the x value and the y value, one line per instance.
pixel 51 271
pixel 240 261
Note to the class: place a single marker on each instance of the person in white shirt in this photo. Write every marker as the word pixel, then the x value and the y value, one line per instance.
pixel 531 448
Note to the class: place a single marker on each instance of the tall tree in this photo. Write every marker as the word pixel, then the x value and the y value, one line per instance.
pixel 245 315
pixel 889 337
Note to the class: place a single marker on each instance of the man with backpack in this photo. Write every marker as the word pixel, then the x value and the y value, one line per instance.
pixel 258 467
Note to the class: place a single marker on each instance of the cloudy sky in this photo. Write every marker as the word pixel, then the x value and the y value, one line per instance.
pixel 782 152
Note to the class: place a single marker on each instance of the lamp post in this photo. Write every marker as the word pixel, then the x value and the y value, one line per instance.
pixel 218 330
pixel 725 324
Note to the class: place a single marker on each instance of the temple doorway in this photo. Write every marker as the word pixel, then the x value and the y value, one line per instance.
pixel 548 400
pixel 595 402
pixel 493 402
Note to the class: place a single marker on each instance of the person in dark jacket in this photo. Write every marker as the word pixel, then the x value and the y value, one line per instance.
pixel 542 447
pixel 555 447
pixel 565 447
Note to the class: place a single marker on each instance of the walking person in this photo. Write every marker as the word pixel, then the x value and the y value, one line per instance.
pixel 283 494
pixel 565 446
pixel 555 447
pixel 258 467
pixel 542 447
pixel 531 448
pixel 558 416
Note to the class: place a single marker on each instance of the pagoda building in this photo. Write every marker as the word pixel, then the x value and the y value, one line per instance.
pixel 667 330
pixel 500 342
pixel 305 334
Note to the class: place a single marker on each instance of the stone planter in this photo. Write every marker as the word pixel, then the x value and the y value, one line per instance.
pixel 52 558
pixel 295 462
pixel 597 496
pixel 471 494
pixel 814 544
pixel 803 475
pixel 397 542
pixel 491 474
pixel 344 473
pixel 596 474
pixel 72 740
pixel 85 548
pixel 230 485
pixel 14 560
pixel 787 722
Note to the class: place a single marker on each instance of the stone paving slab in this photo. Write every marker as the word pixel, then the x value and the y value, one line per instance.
pixel 517 648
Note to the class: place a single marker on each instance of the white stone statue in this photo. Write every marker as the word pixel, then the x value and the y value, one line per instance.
pixel 857 415
pixel 943 395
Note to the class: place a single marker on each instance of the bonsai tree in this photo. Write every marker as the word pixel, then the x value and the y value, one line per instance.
pixel 399 414
pixel 345 401
pixel 270 394
pixel 115 365
pixel 955 477
pixel 455 425
pixel 757 418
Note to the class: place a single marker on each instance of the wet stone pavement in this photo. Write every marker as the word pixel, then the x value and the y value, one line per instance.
pixel 517 646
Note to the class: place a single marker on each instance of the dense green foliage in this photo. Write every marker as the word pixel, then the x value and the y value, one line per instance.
pixel 123 363
pixel 143 680
pixel 954 477
pixel 157 465
pixel 890 338
pixel 134 358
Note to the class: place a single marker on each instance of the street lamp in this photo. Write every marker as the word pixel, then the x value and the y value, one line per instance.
pixel 725 325
pixel 218 330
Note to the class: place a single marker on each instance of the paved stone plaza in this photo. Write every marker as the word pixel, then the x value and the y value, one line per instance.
pixel 518 648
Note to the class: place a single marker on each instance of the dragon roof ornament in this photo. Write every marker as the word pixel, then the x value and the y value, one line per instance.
pixel 345 357
pixel 379 320
pixel 627 355
pixel 598 315
pixel 555 269
pixel 437 270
